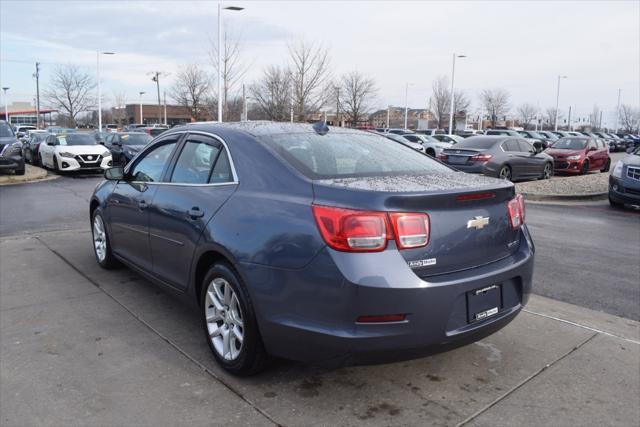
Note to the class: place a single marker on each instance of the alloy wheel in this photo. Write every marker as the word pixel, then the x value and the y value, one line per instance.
pixel 505 173
pixel 547 171
pixel 99 238
pixel 224 319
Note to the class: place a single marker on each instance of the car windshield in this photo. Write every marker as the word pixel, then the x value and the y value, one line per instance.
pixel 481 142
pixel 135 139
pixel 5 130
pixel 342 155
pixel 570 144
pixel 76 139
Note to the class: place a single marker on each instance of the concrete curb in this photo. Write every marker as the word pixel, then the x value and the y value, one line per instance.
pixel 565 197
pixel 32 174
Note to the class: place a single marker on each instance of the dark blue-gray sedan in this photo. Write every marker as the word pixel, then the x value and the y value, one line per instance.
pixel 323 245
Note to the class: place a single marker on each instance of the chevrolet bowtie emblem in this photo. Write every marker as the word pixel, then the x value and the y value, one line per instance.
pixel 478 222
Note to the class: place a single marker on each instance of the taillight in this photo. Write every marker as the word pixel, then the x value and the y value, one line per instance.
pixel 481 158
pixel 410 229
pixel 352 230
pixel 443 157
pixel 516 211
pixel 368 231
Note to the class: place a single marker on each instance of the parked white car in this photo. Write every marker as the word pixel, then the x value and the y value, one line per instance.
pixel 432 146
pixel 74 151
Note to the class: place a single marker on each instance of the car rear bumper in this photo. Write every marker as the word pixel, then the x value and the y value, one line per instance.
pixel 310 314
pixel 625 191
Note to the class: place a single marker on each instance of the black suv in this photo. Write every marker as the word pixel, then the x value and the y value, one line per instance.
pixel 10 150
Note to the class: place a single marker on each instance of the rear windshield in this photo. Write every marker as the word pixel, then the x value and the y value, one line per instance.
pixel 135 139
pixel 350 155
pixel 570 144
pixel 478 142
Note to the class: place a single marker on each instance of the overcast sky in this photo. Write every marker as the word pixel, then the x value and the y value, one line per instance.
pixel 519 46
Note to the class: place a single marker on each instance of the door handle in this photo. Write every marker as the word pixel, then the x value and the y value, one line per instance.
pixel 142 205
pixel 195 212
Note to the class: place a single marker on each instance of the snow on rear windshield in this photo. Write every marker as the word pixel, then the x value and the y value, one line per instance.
pixel 341 155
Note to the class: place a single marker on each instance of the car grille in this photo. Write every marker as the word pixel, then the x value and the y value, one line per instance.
pixel 633 173
pixel 561 165
pixel 89 158
pixel 632 191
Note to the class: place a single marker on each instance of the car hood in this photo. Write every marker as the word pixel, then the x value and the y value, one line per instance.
pixel 133 147
pixel 81 149
pixel 563 153
pixel 632 159
pixel 7 140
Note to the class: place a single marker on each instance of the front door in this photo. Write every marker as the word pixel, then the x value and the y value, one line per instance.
pixel 198 184
pixel 533 164
pixel 129 202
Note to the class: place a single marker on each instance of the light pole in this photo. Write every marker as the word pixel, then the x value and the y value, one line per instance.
pixel 555 126
pixel 220 8
pixel 406 103
pixel 98 53
pixel 141 119
pixel 453 76
pixel 618 110
pixel 6 110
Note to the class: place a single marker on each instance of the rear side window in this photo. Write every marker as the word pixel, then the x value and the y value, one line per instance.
pixel 349 155
pixel 525 147
pixel 510 145
pixel 195 163
pixel 222 170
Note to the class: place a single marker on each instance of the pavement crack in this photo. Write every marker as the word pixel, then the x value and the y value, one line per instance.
pixel 525 381
pixel 212 374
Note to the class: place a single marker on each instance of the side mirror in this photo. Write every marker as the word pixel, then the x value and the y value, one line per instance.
pixel 592 149
pixel 115 173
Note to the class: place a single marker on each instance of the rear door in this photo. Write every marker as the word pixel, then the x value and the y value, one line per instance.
pixel 198 183
pixel 129 202
pixel 595 160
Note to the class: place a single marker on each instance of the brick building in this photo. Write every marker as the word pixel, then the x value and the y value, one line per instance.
pixel 378 119
pixel 176 114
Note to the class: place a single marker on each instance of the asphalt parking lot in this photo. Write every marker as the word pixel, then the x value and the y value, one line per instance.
pixel 80 345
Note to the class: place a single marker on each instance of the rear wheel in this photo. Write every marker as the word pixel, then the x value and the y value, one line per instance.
pixel 229 322
pixel 607 166
pixel 585 168
pixel 505 173
pixel 547 172
pixel 431 152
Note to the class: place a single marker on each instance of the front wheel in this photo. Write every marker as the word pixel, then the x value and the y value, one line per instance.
pixel 21 170
pixel 585 168
pixel 505 173
pixel 229 322
pixel 607 166
pixel 615 204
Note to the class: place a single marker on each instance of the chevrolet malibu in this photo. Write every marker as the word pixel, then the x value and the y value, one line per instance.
pixel 316 244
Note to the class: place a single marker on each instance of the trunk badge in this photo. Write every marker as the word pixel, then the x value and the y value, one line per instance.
pixel 478 222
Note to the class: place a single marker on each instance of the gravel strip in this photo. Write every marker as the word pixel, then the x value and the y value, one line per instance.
pixel 581 185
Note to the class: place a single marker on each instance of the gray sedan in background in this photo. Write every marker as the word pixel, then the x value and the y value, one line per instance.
pixel 500 156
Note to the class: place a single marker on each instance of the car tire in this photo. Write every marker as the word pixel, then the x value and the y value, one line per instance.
pixel 56 168
pixel 505 172
pixel 101 242
pixel 547 171
pixel 607 166
pixel 431 152
pixel 585 168
pixel 21 170
pixel 226 308
pixel 615 204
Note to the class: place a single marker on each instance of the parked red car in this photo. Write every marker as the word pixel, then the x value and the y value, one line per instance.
pixel 579 155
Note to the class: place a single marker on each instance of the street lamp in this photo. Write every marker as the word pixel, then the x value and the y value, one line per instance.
pixel 220 8
pixel 141 119
pixel 6 110
pixel 98 53
pixel 453 76
pixel 406 103
pixel 558 102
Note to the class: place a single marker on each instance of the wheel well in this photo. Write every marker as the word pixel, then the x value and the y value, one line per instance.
pixel 206 260
pixel 92 207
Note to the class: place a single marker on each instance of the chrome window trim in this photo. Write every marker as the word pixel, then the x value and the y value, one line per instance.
pixel 212 184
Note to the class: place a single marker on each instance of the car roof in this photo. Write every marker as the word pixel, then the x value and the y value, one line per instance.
pixel 260 128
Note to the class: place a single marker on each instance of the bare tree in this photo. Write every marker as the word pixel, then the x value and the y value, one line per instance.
pixel 190 90
pixel 461 104
pixel 439 101
pixel 594 118
pixel 71 90
pixel 357 92
pixel 233 69
pixel 527 114
pixel 551 116
pixel 629 117
pixel 120 99
pixel 272 94
pixel 309 73
pixel 495 103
